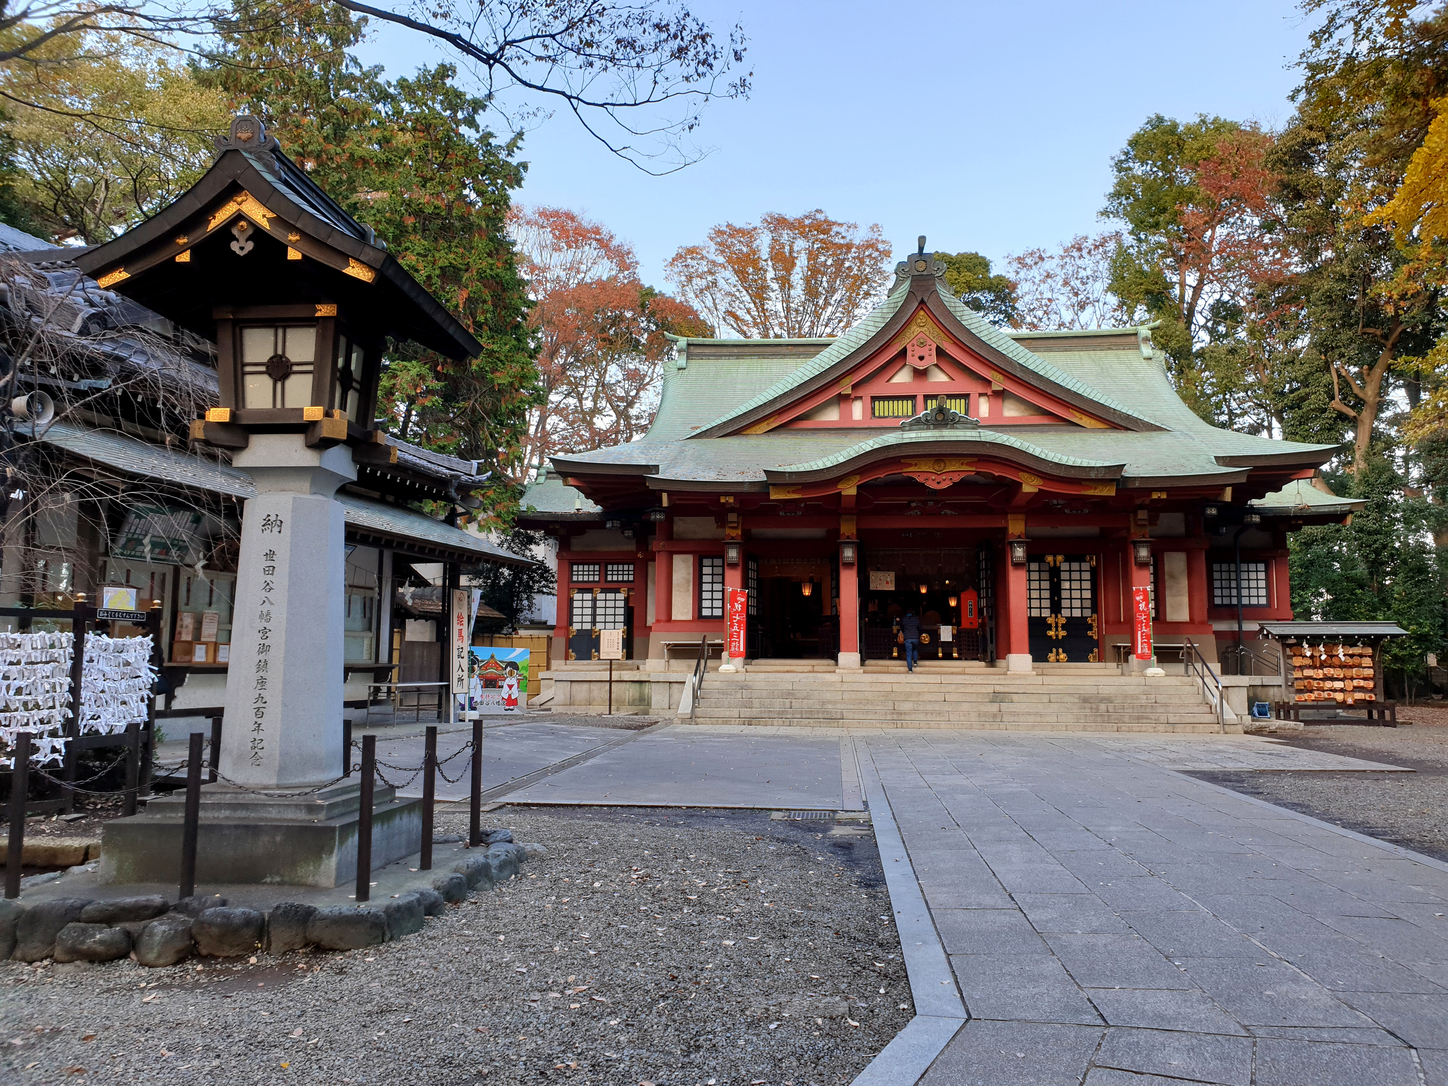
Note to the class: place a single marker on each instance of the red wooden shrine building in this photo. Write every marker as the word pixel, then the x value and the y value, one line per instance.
pixel 1010 488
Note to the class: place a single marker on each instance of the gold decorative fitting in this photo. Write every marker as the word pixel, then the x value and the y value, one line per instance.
pixel 111 278
pixel 1158 493
pixel 326 310
pixel 919 324
pixel 358 270
pixel 293 254
pixel 1105 490
pixel 184 256
pixel 182 239
pixel 849 482
pixel 783 493
pixel 218 414
pixel 761 427
pixel 1087 421
pixel 313 414
pixel 246 204
pixel 294 236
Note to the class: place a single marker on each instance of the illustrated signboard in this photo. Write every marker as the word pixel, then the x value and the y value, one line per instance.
pixel 882 580
pixel 1141 628
pixel 116 598
pixel 497 680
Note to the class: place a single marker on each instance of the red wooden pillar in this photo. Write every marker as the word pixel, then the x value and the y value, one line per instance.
pixel 1015 607
pixel 849 603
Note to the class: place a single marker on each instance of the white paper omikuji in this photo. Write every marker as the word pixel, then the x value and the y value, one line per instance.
pixel 116 681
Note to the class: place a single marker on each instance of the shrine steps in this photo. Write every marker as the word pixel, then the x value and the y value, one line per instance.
pixel 1089 698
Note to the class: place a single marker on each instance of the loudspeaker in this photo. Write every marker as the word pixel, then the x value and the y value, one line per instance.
pixel 37 408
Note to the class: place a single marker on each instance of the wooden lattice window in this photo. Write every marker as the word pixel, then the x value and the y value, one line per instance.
pixel 584 573
pixel 892 407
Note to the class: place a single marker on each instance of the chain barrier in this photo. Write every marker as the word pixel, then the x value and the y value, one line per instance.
pixel 161 769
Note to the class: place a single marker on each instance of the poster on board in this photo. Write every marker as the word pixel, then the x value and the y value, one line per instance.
pixel 497 680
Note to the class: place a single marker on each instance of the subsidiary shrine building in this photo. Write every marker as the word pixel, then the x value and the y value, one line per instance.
pixel 1010 488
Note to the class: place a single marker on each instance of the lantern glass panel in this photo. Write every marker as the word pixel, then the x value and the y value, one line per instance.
pixel 349 377
pixel 276 365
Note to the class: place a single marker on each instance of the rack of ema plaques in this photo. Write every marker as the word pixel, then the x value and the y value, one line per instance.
pixel 1334 675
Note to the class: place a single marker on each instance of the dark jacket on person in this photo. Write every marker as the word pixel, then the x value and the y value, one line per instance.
pixel 910 627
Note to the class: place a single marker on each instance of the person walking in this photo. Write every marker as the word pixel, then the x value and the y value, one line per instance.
pixel 910 629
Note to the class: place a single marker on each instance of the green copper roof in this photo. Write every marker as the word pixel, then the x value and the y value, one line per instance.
pixel 1302 497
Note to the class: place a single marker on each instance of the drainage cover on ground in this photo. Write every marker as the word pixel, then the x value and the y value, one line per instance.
pixel 823 816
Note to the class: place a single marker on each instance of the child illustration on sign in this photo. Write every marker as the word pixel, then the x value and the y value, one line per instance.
pixel 510 689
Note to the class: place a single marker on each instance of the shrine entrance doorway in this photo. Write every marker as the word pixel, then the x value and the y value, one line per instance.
pixel 1062 616
pixel 948 587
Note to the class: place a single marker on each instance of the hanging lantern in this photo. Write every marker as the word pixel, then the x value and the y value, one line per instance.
pixel 806 588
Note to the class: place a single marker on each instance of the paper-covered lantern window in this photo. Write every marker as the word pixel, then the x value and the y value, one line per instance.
pixel 276 365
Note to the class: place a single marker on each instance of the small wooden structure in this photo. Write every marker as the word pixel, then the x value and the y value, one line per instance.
pixel 1334 666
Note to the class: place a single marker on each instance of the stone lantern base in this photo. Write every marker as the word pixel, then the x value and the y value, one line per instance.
pixel 306 840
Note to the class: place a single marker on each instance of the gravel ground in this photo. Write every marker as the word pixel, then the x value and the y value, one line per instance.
pixel 1408 809
pixel 650 946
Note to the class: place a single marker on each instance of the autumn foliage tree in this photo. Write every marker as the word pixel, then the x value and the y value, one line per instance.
pixel 1069 287
pixel 784 277
pixel 602 335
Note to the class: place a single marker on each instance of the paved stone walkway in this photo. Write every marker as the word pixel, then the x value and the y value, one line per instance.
pixel 1109 921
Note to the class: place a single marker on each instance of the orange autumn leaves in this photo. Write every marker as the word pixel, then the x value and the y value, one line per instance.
pixel 784 277
pixel 601 334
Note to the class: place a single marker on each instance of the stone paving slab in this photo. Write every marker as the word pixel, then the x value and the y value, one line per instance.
pixel 684 766
pixel 1189 934
pixel 509 752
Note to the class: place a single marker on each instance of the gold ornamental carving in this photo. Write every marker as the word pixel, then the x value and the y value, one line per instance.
pixel 111 278
pixel 246 204
pixel 358 270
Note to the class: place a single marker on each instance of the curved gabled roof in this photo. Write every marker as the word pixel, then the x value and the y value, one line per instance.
pixel 875 330
pixel 356 263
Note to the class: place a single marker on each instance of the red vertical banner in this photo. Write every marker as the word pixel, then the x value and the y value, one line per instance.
pixel 738 608
pixel 1141 629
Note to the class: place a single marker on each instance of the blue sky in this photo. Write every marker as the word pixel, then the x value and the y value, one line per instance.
pixel 986 126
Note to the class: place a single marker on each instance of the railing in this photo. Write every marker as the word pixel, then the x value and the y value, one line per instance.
pixel 696 680
pixel 1212 690
pixel 1246 661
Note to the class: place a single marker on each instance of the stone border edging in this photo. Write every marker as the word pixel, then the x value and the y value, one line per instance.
pixel 939 1010
pixel 155 932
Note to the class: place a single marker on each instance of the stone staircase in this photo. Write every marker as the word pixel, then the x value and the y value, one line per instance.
pixel 948 694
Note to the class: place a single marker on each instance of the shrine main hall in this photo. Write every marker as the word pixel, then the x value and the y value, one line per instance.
pixel 1009 488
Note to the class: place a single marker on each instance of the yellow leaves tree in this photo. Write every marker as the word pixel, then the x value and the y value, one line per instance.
pixel 108 128
pixel 785 277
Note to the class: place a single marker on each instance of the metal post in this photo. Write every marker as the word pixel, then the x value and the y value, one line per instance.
pixel 190 830
pixel 610 688
pixel 475 820
pixel 148 761
pixel 364 818
pixel 429 771
pixel 346 746
pixel 133 767
pixel 215 748
pixel 19 786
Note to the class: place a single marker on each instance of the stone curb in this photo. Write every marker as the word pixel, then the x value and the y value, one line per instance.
pixel 939 1010
pixel 385 920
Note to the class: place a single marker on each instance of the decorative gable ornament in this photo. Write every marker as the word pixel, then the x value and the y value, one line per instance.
pixel 920 352
pixel 248 134
pixel 921 263
pixel 940 417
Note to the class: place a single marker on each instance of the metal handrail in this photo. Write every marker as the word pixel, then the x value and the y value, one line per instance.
pixel 701 668
pixel 1192 661
pixel 1244 654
